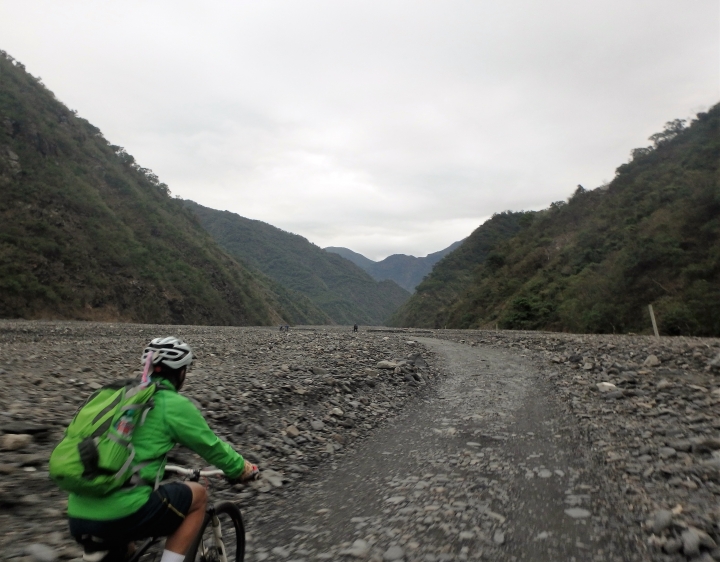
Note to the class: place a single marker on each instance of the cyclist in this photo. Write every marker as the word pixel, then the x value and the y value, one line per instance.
pixel 108 526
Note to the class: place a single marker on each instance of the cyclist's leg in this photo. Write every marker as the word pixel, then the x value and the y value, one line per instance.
pixel 162 515
pixel 185 534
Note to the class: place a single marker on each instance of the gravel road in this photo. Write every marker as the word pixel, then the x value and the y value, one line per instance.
pixel 485 467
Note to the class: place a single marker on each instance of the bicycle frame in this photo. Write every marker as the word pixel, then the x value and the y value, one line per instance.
pixel 217 532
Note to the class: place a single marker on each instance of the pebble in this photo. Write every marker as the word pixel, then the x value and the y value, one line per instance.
pixel 577 513
pixel 14 441
pixel 606 386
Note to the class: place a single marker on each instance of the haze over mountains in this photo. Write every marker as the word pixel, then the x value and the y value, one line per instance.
pixel 406 271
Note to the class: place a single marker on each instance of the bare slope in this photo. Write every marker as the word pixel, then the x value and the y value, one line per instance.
pixel 87 233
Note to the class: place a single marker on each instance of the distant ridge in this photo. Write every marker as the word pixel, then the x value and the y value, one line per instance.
pixel 406 271
pixel 335 285
pixel 87 233
pixel 357 259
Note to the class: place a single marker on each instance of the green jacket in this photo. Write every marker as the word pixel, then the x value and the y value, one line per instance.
pixel 173 419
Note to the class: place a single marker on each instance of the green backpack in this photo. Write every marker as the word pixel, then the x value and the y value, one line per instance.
pixel 95 456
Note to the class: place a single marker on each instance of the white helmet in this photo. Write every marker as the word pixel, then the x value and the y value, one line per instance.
pixel 168 351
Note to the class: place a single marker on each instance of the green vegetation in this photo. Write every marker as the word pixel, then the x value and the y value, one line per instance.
pixel 593 264
pixel 342 290
pixel 435 297
pixel 87 233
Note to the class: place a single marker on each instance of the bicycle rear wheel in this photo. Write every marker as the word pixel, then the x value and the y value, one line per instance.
pixel 206 547
pixel 149 550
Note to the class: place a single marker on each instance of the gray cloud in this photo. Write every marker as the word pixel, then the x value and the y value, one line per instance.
pixel 381 126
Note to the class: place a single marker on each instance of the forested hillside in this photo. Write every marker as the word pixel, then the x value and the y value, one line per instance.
pixel 594 263
pixel 406 271
pixel 430 306
pixel 87 233
pixel 342 290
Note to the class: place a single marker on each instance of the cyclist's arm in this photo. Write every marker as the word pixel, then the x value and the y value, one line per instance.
pixel 188 427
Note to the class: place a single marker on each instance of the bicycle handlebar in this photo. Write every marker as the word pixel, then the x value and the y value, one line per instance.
pixel 193 471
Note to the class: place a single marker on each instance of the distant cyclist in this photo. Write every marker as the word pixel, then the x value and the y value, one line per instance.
pixel 108 526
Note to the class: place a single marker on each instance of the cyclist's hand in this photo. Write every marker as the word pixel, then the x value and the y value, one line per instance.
pixel 250 472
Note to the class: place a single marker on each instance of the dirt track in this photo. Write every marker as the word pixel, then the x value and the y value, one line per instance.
pixel 485 467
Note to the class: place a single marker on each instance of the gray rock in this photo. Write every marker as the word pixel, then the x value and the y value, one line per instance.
pixel 715 363
pixel 691 542
pixel 280 551
pixel 41 552
pixel 651 361
pixel 394 553
pixel 15 441
pixel 577 513
pixel 499 537
pixel 606 386
pixel 667 452
pixel 359 549
pixel 662 519
pixel 386 365
pixel 317 425
pixel 672 546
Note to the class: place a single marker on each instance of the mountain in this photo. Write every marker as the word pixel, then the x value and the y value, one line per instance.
pixel 87 233
pixel 406 271
pixel 440 290
pixel 358 259
pixel 338 287
pixel 595 263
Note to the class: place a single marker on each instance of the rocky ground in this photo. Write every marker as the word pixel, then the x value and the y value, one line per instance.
pixel 288 401
pixel 414 445
pixel 650 412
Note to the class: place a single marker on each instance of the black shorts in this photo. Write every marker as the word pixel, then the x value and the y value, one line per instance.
pixel 161 515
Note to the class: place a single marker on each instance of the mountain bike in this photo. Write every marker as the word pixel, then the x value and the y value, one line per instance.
pixel 221 538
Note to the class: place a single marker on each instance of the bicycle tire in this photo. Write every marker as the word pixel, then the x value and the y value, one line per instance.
pixel 204 549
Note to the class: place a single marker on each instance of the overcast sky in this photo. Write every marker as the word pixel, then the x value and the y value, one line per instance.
pixel 385 127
